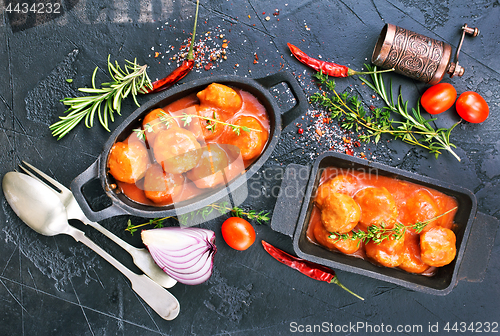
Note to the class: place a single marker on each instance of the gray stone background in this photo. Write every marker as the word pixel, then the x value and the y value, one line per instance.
pixel 53 286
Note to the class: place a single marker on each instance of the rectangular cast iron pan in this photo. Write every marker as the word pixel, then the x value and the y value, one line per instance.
pixel 292 212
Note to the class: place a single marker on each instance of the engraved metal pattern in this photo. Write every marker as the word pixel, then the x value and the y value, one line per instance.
pixel 414 55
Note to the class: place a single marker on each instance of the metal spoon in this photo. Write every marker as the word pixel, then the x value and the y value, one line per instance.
pixel 43 211
pixel 141 256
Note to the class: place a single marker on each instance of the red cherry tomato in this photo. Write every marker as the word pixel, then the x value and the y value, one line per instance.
pixel 238 233
pixel 472 107
pixel 438 98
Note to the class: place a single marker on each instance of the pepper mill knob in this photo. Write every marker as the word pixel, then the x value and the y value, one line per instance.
pixel 470 31
pixel 454 69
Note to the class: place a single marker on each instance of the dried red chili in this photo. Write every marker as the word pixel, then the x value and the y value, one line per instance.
pixel 175 76
pixel 312 270
pixel 328 68
pixel 181 71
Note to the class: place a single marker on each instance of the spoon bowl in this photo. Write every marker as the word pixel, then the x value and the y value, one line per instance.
pixel 40 210
pixel 43 211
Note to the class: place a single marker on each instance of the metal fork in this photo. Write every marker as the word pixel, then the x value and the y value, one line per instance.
pixel 142 258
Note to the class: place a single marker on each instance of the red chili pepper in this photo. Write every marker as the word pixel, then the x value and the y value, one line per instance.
pixel 181 71
pixel 328 68
pixel 175 76
pixel 312 270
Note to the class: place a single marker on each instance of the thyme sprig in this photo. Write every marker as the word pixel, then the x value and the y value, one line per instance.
pixel 378 234
pixel 167 119
pixel 410 127
pixel 222 208
pixel 156 222
pixel 129 80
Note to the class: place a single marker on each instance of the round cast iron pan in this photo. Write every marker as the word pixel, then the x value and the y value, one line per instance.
pixel 475 231
pixel 121 205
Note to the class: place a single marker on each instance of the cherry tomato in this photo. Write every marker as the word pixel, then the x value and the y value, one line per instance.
pixel 472 107
pixel 438 98
pixel 238 233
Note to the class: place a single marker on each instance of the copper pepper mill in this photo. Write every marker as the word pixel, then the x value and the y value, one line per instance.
pixel 417 56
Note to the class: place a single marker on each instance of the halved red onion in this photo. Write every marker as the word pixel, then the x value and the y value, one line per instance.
pixel 186 254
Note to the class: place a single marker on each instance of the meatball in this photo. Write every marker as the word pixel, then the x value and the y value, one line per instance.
pixel 128 161
pixel 438 246
pixel 236 165
pixel 378 207
pixel 340 213
pixel 177 150
pixel 209 171
pixel 206 129
pixel 389 253
pixel 162 187
pixel 421 207
pixel 192 124
pixel 152 124
pixel 221 96
pixel 251 142
pixel 412 261
pixel 323 237
pixel 344 184
pixel 347 246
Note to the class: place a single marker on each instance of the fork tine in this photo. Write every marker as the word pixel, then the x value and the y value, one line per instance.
pixel 42 174
pixel 36 177
pixel 29 172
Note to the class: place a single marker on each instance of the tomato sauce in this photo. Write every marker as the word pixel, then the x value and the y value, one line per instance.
pixel 232 145
pixel 413 202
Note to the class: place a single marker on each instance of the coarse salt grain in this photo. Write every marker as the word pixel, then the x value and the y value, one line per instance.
pixel 206 50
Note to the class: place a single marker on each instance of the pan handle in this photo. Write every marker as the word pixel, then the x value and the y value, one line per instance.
pixel 77 185
pixel 302 104
pixel 290 199
pixel 478 249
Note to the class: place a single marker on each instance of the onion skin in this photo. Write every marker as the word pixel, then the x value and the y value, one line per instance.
pixel 185 254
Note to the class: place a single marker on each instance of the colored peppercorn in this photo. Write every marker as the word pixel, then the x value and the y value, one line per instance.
pixel 181 71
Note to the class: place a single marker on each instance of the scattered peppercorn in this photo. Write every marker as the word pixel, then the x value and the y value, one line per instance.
pixel 210 47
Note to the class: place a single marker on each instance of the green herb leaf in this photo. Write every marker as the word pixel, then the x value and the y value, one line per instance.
pixel 125 82
pixel 378 234
pixel 222 208
pixel 393 119
pixel 188 118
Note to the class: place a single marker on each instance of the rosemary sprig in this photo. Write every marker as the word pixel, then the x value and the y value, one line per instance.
pixel 129 80
pixel 224 208
pixel 378 234
pixel 165 118
pixel 411 128
pixel 436 140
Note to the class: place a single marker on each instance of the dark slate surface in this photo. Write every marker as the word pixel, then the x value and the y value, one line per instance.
pixel 53 286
